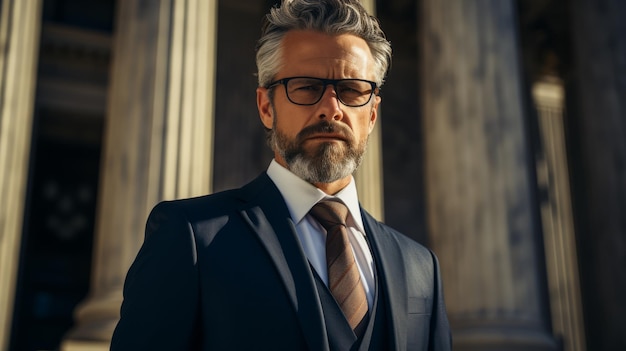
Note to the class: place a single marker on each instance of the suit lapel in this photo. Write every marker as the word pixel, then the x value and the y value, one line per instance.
pixel 266 213
pixel 391 276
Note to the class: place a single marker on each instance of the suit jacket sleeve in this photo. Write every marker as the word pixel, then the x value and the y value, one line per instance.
pixel 161 289
pixel 440 336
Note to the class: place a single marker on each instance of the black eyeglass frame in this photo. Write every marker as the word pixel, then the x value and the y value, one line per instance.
pixel 325 83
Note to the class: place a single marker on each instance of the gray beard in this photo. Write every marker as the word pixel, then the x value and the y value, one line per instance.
pixel 326 164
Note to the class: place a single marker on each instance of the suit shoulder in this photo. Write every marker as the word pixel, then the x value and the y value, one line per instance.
pixel 404 240
pixel 206 206
pixel 219 204
pixel 405 244
pixel 380 228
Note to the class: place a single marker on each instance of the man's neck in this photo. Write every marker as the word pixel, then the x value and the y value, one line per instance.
pixel 334 187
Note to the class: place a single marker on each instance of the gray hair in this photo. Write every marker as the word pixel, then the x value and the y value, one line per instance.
pixel 327 16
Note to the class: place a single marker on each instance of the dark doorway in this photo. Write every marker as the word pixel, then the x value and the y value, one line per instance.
pixel 56 248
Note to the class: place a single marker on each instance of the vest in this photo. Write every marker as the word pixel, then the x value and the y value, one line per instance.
pixel 340 335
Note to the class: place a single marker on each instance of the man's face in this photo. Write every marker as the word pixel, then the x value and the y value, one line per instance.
pixel 324 142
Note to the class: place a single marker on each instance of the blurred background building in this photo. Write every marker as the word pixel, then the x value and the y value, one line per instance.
pixel 501 145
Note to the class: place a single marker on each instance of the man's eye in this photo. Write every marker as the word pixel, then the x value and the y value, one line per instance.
pixel 308 87
pixel 350 90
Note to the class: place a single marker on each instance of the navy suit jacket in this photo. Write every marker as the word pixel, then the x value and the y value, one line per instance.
pixel 226 272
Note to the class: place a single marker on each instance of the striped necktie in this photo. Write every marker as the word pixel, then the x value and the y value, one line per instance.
pixel 344 279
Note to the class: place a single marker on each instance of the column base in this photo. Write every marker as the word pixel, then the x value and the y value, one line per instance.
pixel 92 335
pixel 77 345
pixel 96 319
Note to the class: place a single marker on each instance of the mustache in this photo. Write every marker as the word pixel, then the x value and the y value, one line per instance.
pixel 325 127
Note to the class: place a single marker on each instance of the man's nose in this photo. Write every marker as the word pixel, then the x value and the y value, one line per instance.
pixel 330 106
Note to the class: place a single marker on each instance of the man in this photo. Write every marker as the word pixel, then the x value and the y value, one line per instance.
pixel 290 261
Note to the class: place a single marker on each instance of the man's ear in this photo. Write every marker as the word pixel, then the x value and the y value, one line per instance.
pixel 374 113
pixel 265 107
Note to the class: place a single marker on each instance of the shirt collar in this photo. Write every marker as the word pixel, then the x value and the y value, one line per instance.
pixel 301 195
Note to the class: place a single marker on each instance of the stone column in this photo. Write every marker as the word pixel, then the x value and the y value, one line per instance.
pixel 20 22
pixel 598 125
pixel 158 142
pixel 481 213
pixel 556 215
pixel 369 176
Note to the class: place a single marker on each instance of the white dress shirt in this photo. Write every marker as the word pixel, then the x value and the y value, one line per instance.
pixel 300 197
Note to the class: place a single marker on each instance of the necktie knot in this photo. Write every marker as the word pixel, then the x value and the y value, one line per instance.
pixel 330 213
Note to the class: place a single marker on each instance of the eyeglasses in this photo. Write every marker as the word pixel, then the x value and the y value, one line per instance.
pixel 309 91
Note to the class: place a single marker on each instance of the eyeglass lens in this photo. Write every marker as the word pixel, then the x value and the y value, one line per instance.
pixel 308 91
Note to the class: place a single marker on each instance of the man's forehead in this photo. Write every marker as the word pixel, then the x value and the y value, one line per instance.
pixel 317 44
pixel 306 53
